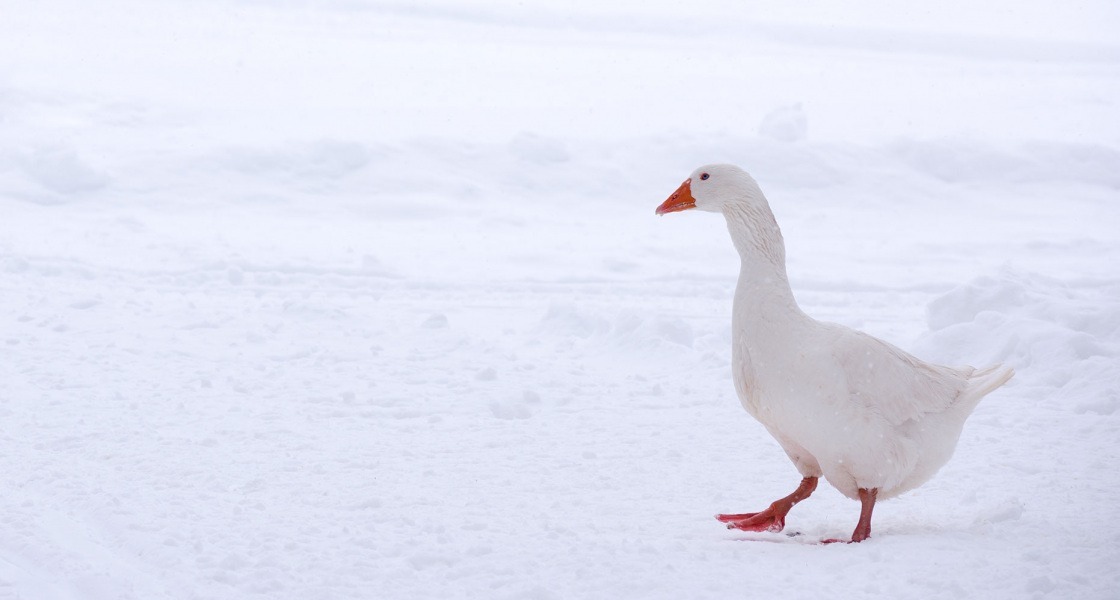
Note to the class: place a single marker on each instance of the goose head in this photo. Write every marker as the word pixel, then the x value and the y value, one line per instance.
pixel 714 188
pixel 730 190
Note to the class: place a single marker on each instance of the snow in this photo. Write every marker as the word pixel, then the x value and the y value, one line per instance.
pixel 349 299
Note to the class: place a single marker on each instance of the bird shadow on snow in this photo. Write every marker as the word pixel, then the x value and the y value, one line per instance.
pixel 794 538
pixel 983 523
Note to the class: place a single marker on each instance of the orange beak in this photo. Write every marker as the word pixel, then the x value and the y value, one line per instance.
pixel 680 200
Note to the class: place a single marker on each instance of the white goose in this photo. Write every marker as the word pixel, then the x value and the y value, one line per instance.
pixel 871 419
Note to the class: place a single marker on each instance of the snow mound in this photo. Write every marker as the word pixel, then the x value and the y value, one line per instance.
pixel 538 149
pixel 969 161
pixel 320 159
pixel 785 124
pixel 61 172
pixel 627 327
pixel 1060 337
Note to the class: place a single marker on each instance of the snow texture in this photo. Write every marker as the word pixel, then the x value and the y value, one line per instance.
pixel 348 299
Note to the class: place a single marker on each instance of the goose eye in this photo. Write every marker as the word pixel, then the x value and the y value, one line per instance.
pixel 704 176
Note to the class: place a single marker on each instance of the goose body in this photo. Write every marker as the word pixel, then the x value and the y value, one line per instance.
pixel 871 419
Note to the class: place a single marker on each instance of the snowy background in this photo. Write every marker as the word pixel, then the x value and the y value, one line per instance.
pixel 357 299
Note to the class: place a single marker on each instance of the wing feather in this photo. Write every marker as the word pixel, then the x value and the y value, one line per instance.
pixel 892 383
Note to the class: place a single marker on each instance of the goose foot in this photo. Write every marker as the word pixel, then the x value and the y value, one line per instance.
pixel 863 528
pixel 772 519
pixel 768 520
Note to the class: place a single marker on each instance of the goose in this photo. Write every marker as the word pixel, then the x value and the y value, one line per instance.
pixel 871 419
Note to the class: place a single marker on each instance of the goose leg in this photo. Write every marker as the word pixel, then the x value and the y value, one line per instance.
pixel 867 502
pixel 774 517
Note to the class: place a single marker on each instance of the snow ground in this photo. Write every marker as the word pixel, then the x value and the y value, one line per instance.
pixel 367 300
